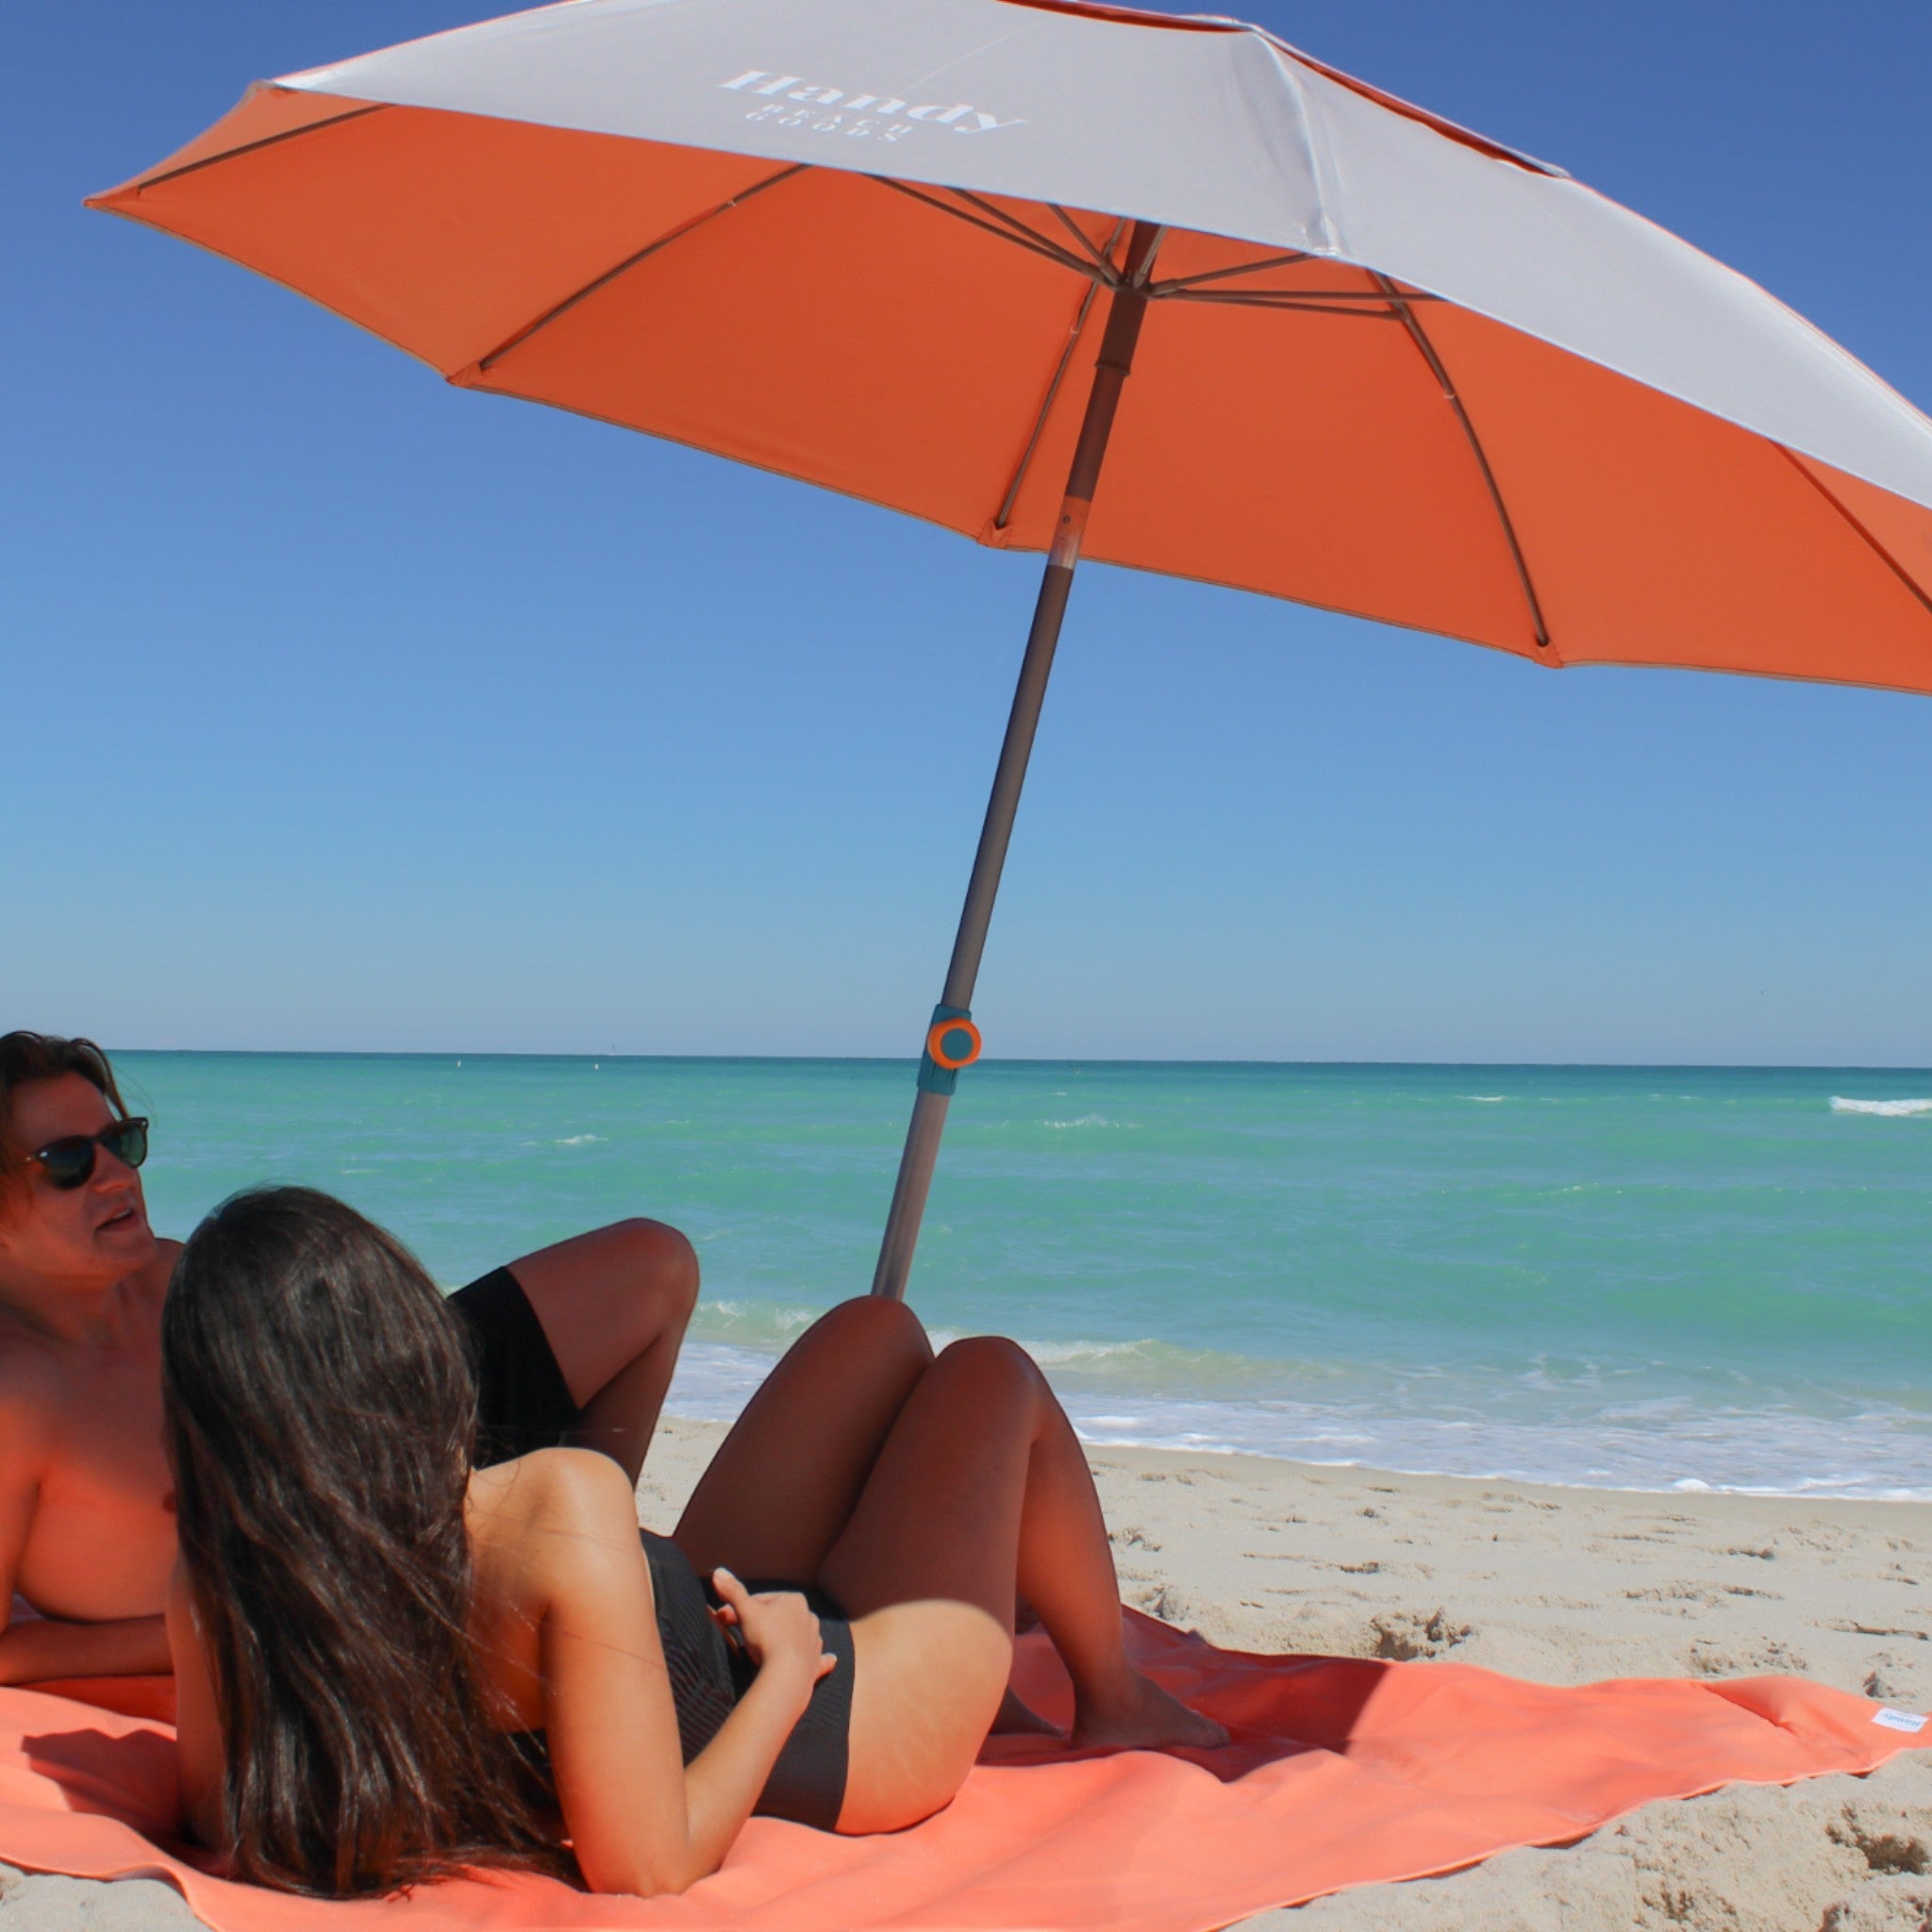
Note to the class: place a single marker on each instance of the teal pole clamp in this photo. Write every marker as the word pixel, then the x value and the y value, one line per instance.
pixel 952 1042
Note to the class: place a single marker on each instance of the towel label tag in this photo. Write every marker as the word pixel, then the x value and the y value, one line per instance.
pixel 1898 1719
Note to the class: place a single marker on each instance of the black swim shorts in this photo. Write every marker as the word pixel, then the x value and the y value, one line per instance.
pixel 524 1402
pixel 708 1676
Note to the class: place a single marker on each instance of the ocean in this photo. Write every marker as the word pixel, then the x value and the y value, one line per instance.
pixel 1622 1278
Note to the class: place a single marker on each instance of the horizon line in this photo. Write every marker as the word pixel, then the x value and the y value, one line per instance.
pixel 909 1060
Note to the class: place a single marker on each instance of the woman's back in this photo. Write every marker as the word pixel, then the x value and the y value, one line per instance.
pixel 555 1528
pixel 337 1733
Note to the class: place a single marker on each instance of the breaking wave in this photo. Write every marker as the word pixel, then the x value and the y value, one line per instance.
pixel 770 1326
pixel 1893 1109
pixel 1616 1432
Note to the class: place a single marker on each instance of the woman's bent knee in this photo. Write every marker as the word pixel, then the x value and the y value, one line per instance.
pixel 660 1260
pixel 874 1321
pixel 993 1358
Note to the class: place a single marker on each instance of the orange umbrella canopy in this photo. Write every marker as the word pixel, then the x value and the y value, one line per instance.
pixel 1432 383
pixel 914 250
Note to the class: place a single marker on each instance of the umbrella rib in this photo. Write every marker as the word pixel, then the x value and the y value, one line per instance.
pixel 1026 239
pixel 1032 234
pixel 1439 370
pixel 1831 496
pixel 1383 305
pixel 1052 389
pixel 485 363
pixel 1103 258
pixel 250 148
pixel 1174 284
pixel 1314 302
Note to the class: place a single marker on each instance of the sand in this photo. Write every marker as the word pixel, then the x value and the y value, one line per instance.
pixel 1564 1586
pixel 1559 1585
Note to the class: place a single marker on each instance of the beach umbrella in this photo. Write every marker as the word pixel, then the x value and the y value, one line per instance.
pixel 1070 279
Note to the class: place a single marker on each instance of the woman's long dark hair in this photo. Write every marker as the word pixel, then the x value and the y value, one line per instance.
pixel 320 1416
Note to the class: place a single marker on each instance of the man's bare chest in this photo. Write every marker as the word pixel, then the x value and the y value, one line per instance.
pixel 102 1537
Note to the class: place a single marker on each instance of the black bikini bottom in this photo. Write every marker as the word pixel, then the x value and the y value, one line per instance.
pixel 709 1675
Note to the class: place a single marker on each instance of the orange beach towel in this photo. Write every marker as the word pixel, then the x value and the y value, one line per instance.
pixel 1344 1772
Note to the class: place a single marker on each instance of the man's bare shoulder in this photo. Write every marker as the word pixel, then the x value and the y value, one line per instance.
pixel 31 1372
pixel 36 1375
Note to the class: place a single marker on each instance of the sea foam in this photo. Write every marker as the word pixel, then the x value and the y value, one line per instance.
pixel 1415 1425
pixel 1616 1278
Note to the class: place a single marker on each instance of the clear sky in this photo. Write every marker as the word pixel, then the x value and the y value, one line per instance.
pixel 345 710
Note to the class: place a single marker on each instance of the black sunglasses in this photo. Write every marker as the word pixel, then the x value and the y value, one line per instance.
pixel 69 1162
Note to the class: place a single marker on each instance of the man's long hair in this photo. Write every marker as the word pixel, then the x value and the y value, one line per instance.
pixel 26 1058
pixel 321 1413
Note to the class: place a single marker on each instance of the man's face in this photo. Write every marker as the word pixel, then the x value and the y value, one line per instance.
pixel 85 1237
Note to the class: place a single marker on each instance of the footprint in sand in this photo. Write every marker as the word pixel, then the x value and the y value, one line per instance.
pixel 1753 1658
pixel 1405 1635
pixel 1161 1600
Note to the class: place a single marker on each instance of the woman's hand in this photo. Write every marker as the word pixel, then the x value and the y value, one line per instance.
pixel 778 1630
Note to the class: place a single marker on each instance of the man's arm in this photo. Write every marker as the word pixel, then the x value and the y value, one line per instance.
pixel 34 1648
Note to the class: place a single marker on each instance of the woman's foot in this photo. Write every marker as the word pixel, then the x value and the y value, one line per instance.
pixel 1140 1715
pixel 1016 1718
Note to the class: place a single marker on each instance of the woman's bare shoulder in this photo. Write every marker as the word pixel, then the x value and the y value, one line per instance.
pixel 550 1513
pixel 552 1531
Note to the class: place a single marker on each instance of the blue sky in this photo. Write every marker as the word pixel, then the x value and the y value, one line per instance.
pixel 344 710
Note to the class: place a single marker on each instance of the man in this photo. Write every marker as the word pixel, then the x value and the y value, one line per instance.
pixel 576 1340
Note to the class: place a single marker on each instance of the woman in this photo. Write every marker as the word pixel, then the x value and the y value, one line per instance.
pixel 369 1632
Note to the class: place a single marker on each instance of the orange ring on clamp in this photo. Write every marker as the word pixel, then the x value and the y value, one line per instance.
pixel 936 1043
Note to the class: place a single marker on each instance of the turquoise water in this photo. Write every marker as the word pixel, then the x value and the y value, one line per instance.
pixel 1637 1277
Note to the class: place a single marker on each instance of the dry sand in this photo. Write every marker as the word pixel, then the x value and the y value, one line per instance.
pixel 1560 1585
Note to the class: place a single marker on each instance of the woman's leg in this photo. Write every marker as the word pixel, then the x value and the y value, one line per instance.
pixel 613 1304
pixel 980 1486
pixel 784 1481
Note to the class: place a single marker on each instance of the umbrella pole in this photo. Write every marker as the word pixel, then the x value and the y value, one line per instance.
pixel 952 1041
